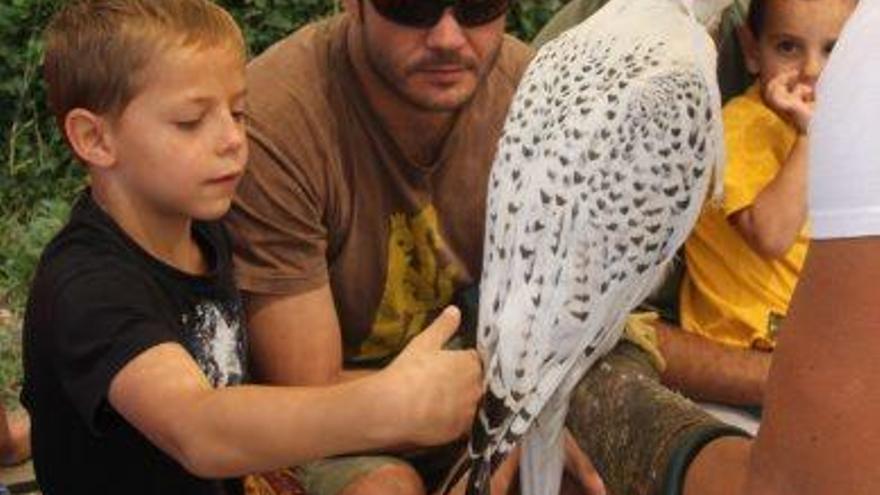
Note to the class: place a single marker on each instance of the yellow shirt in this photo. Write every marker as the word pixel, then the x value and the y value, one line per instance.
pixel 730 293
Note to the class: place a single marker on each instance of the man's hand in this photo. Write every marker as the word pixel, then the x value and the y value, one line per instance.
pixel 580 468
pixel 439 388
pixel 502 478
pixel 792 99
pixel 577 464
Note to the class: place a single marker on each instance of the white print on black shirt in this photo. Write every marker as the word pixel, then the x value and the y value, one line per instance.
pixel 215 338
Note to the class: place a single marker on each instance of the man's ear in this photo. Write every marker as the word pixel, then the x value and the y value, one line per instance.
pixel 749 44
pixel 89 137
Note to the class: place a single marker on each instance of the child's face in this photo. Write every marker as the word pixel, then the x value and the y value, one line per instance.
pixel 798 35
pixel 180 143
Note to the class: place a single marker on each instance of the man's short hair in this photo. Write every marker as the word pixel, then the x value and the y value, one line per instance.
pixel 96 50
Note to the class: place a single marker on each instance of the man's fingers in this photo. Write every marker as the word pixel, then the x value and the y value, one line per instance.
pixel 578 464
pixel 506 473
pixel 440 330
pixel 591 483
pixel 459 488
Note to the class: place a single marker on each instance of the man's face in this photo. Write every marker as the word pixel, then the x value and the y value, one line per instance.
pixel 436 68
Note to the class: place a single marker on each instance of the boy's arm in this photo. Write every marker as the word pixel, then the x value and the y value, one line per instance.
pixel 773 221
pixel 426 396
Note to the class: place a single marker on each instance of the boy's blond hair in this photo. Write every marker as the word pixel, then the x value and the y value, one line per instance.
pixel 97 50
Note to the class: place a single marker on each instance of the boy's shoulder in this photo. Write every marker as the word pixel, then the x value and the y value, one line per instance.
pixel 87 240
pixel 748 119
pixel 86 257
pixel 748 104
pixel 91 255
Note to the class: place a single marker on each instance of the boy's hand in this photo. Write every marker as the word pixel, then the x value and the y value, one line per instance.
pixel 440 388
pixel 791 99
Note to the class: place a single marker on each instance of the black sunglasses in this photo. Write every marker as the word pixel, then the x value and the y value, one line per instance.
pixel 426 13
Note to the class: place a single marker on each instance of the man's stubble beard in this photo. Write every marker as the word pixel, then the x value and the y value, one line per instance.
pixel 396 83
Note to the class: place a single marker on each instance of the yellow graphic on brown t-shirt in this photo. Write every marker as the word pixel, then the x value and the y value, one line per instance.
pixel 418 283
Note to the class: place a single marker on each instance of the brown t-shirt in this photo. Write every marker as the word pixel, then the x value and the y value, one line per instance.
pixel 329 196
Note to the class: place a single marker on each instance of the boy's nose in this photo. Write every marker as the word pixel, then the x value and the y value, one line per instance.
pixel 447 34
pixel 812 67
pixel 233 136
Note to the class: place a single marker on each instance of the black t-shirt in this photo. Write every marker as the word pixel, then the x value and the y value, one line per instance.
pixel 99 300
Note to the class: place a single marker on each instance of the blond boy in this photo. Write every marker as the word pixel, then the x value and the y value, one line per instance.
pixel 135 348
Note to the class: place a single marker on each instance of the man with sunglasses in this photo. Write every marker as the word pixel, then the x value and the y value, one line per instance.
pixel 361 215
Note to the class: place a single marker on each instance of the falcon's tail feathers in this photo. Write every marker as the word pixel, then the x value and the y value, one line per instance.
pixel 480 478
pixel 543 453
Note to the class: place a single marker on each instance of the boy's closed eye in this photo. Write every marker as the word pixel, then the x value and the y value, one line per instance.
pixel 190 115
pixel 189 124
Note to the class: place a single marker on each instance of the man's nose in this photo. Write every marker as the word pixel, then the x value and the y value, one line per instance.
pixel 447 34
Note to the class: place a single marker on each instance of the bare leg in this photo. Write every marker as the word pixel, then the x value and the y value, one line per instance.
pixel 395 479
pixel 15 437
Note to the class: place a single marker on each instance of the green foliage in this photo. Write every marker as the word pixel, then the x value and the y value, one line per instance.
pixel 37 178
pixel 22 240
pixel 267 21
pixel 34 163
pixel 527 17
pixel 10 362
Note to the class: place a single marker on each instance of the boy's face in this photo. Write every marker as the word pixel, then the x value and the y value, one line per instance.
pixel 798 35
pixel 180 143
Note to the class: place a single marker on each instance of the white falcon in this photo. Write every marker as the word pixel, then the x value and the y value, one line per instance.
pixel 608 153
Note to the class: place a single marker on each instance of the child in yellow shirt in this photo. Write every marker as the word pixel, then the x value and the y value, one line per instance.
pixel 745 256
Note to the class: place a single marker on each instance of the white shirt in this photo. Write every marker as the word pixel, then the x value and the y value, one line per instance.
pixel 845 134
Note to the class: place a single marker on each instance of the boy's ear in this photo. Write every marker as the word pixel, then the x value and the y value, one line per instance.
pixel 89 137
pixel 749 44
